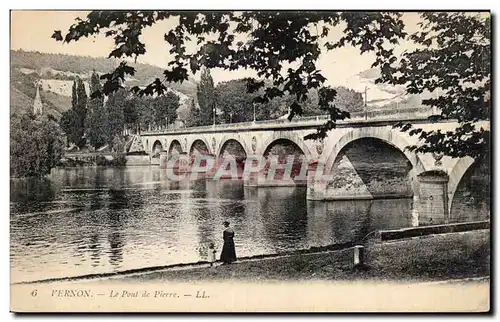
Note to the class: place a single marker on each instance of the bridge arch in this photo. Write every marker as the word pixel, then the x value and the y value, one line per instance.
pixel 156 147
pixel 370 183
pixel 202 142
pixel 174 145
pixel 232 137
pixel 456 175
pixel 390 137
pixel 288 136
pixel 469 190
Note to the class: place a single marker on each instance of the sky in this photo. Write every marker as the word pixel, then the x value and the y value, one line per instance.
pixel 341 67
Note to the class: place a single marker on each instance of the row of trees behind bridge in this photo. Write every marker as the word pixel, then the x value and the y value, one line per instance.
pixel 107 120
pixel 233 103
pixel 100 121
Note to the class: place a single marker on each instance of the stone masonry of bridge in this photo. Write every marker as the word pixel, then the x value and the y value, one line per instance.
pixel 429 179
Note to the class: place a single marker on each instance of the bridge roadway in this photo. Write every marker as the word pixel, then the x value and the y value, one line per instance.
pixel 432 179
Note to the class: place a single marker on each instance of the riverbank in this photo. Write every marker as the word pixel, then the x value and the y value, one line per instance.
pixel 449 256
pixel 429 258
pixel 435 273
pixel 107 159
pixel 432 257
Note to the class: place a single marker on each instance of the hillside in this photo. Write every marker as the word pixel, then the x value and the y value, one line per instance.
pixel 56 73
pixel 22 94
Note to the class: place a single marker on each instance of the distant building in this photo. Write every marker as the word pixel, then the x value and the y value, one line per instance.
pixel 37 104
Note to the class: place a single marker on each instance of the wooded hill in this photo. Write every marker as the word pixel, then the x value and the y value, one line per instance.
pixel 57 72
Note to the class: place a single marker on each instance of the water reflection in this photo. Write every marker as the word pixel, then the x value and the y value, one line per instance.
pixel 31 194
pixel 284 212
pixel 94 248
pixel 95 220
pixel 352 220
pixel 116 239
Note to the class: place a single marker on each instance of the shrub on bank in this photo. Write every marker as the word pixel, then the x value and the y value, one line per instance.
pixel 117 160
pixel 67 162
pixel 36 145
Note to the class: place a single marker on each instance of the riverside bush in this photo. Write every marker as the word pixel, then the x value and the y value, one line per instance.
pixel 36 145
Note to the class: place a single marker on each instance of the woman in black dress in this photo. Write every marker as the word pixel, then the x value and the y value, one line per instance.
pixel 228 254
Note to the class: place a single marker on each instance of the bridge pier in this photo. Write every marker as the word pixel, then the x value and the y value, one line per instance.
pixel 316 187
pixel 163 159
pixel 414 210
pixel 261 180
pixel 252 179
pixel 265 178
pixel 180 164
pixel 432 198
pixel 316 190
pixel 276 174
pixel 206 163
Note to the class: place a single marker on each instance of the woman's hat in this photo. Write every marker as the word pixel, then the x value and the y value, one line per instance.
pixel 226 223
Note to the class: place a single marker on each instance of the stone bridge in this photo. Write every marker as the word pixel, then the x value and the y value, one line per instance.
pixel 364 156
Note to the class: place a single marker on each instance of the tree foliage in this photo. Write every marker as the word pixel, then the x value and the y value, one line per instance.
pixel 131 112
pixel 96 128
pixel 36 145
pixel 80 111
pixel 74 96
pixel 73 121
pixel 194 115
pixel 145 113
pixel 206 97
pixel 68 125
pixel 284 47
pixel 137 113
pixel 165 108
pixel 348 99
pixel 453 61
pixel 233 100
pixel 236 103
pixel 115 105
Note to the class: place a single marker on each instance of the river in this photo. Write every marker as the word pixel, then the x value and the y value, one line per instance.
pixel 81 221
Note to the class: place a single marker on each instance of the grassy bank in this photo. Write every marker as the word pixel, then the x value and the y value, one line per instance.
pixel 433 257
pixel 93 159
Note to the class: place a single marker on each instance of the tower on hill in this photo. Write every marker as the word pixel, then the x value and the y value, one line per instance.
pixel 37 104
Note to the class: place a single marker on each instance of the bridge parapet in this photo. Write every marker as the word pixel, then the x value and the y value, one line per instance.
pixel 390 115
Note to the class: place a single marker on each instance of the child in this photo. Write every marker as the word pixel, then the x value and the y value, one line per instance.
pixel 211 254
